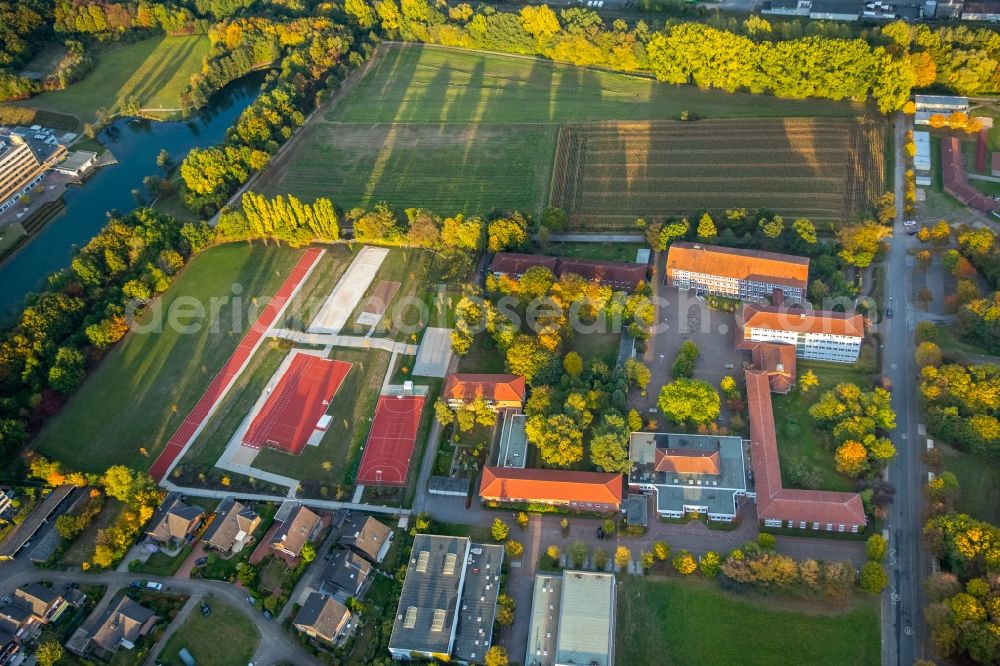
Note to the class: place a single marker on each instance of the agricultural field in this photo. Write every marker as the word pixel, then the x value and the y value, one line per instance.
pixel 691 622
pixel 155 71
pixel 463 131
pixel 607 174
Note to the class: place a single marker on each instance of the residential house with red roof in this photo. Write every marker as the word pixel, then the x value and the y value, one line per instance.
pixel 785 507
pixel 814 334
pixel 580 491
pixel 748 275
pixel 499 391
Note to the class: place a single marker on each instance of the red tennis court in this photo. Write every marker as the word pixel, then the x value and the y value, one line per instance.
pixel 230 371
pixel 391 441
pixel 300 398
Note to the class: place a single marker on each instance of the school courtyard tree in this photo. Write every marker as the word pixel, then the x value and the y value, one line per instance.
pixel 690 402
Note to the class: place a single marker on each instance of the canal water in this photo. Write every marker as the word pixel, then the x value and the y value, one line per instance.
pixel 135 143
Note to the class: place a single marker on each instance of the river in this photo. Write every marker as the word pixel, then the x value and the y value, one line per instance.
pixel 135 143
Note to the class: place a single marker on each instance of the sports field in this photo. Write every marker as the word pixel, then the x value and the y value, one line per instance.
pixel 461 131
pixel 148 383
pixel 391 441
pixel 692 623
pixel 235 364
pixel 607 174
pixel 351 408
pixel 155 71
pixel 291 412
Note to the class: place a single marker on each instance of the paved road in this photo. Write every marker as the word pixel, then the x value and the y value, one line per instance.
pixel 902 619
pixel 275 644
pixel 420 500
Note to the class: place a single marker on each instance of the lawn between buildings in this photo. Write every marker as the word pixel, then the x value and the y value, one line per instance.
pixel 464 131
pixel 154 71
pixel 224 638
pixel 149 382
pixel 691 622
pixel 801 448
pixel 978 483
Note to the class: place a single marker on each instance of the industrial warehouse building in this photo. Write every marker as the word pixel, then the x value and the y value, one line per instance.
pixel 449 600
pixel 572 620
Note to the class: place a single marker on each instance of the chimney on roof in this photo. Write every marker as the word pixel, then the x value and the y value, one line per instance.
pixel 780 367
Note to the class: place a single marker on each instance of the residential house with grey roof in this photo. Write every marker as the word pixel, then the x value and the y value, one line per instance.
pixel 367 536
pixel 325 618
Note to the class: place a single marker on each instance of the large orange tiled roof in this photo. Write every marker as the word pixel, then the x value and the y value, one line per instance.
pixel 688 461
pixel 773 501
pixel 497 388
pixel 739 264
pixel 800 320
pixel 550 485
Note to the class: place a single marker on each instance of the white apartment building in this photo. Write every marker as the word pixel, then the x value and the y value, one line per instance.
pixel 815 334
pixel 747 275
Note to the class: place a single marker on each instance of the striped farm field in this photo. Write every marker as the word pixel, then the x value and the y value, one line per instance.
pixel 464 131
pixel 607 174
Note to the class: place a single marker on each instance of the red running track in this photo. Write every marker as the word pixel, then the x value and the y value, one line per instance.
pixel 391 440
pixel 290 413
pixel 221 382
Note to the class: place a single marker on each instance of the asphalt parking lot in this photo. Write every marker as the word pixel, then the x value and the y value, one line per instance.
pixel 680 317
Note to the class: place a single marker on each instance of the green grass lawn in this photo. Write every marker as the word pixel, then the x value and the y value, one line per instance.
pixel 352 409
pixel 603 251
pixel 146 386
pixel 83 546
pixel 155 71
pixel 464 131
pixel 950 341
pixel 212 440
pixel 800 446
pixel 483 356
pixel 224 638
pixel 596 345
pixel 693 623
pixel 161 564
pixel 978 482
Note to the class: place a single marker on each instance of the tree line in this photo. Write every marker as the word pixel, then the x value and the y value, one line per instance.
pixel 81 311
pixel 884 64
pixel 316 55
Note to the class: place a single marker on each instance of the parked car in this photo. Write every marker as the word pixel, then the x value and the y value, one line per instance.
pixel 267 614
pixel 153 585
pixel 135 583
pixel 600 532
pixel 888 313
pixel 206 610
pixel 201 561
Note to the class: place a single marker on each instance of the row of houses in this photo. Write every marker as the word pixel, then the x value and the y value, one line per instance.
pixel 25 613
pixel 614 274
pixel 363 544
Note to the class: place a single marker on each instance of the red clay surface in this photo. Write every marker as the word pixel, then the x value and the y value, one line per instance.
pixel 301 397
pixel 390 442
pixel 220 383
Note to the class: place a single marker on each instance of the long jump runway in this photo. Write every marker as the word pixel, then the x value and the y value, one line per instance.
pixel 391 441
pixel 230 371
pixel 293 408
